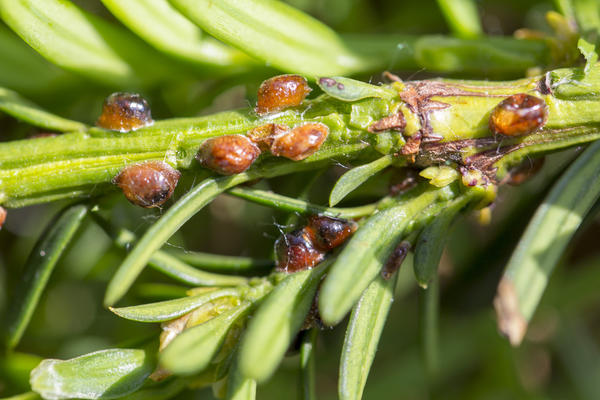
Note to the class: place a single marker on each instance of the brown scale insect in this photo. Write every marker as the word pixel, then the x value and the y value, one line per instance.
pixel 149 184
pixel 300 142
pixel 306 247
pixel 524 171
pixel 228 155
pixel 124 112
pixel 281 92
pixel 327 233
pixel 518 115
pixel 2 216
pixel 395 260
pixel 296 252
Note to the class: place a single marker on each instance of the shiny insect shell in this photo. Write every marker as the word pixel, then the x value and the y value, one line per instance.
pixel 124 112
pixel 519 114
pixel 281 92
pixel 327 233
pixel 228 155
pixel 149 184
pixel 295 252
pixel 306 247
pixel 301 142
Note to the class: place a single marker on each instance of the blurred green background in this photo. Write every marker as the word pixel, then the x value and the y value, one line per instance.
pixel 559 359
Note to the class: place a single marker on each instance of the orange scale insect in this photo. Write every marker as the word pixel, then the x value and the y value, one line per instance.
pixel 301 142
pixel 124 112
pixel 228 155
pixel 281 92
pixel 149 184
pixel 519 114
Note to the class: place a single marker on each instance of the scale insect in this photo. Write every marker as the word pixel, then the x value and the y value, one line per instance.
pixel 304 248
pixel 281 92
pixel 519 114
pixel 125 112
pixel 228 155
pixel 149 184
pixel 301 142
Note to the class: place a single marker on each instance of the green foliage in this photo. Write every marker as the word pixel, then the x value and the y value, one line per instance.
pixel 105 374
pixel 362 336
pixel 39 267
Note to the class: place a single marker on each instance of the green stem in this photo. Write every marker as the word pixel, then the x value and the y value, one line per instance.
pixel 83 163
pixel 289 204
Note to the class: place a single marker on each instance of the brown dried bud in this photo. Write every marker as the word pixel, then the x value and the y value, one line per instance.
pixel 300 142
pixel 2 216
pixel 403 180
pixel 395 260
pixel 40 135
pixel 228 155
pixel 124 112
pixel 327 233
pixel 395 121
pixel 264 135
pixel 281 92
pixel 525 171
pixel 295 252
pixel 149 184
pixel 518 115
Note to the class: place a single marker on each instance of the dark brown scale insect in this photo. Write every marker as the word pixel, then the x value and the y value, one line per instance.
pixel 281 92
pixel 124 112
pixel 228 155
pixel 327 233
pixel 518 115
pixel 149 184
pixel 395 261
pixel 300 142
pixel 313 318
pixel 525 171
pixel 295 252
pixel 2 216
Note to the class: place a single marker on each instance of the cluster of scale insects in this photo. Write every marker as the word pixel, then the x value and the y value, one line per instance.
pixel 151 184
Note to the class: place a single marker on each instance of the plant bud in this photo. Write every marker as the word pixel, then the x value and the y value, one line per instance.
pixel 149 184
pixel 518 115
pixel 281 92
pixel 327 233
pixel 300 142
pixel 124 112
pixel 295 252
pixel 228 155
